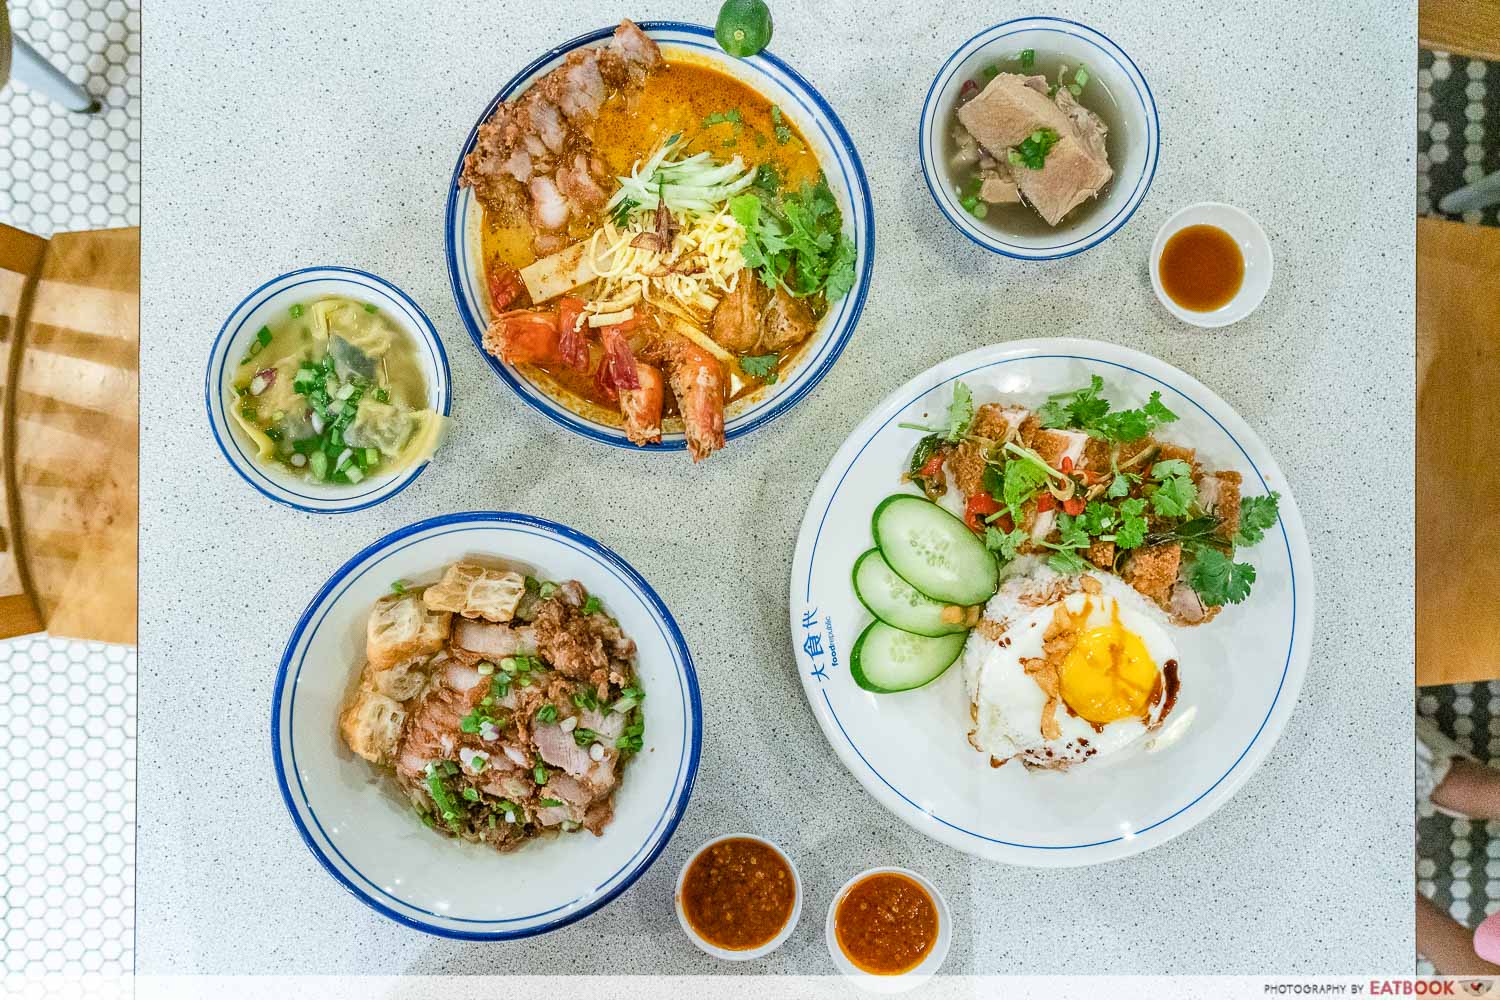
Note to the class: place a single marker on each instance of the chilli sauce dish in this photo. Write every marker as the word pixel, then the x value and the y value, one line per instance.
pixel 1055 552
pixel 738 897
pixel 656 244
pixel 1211 264
pixel 328 389
pixel 1038 138
pixel 888 929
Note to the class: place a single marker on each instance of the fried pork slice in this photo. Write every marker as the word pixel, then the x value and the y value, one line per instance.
pixel 1153 571
pixel 1219 494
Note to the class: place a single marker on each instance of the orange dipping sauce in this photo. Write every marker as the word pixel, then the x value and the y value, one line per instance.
pixel 1201 268
pixel 886 924
pixel 738 894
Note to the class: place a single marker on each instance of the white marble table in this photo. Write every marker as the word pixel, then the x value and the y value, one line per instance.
pixel 326 133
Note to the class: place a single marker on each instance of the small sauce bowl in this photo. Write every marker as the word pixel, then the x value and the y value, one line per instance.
pixel 739 954
pixel 911 978
pixel 1254 247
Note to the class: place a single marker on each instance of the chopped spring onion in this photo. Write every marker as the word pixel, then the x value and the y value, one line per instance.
pixel 345 392
pixel 540 774
pixel 298 459
pixel 263 336
pixel 485 668
pixel 318 464
pixel 980 210
pixel 546 589
pixel 353 474
pixel 371 307
pixel 296 310
pixel 382 395
pixel 1081 78
pixel 471 794
pixel 547 713
pixel 969 202
pixel 1028 58
pixel 549 803
pixel 990 72
pixel 372 456
pixel 696 184
pixel 625 704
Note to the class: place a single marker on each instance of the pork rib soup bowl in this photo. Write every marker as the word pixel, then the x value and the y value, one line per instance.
pixel 368 835
pixel 758 112
pixel 1104 114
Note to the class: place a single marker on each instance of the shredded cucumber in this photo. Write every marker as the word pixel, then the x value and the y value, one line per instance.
pixel 696 184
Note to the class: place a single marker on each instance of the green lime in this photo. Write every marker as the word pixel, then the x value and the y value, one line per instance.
pixel 743 27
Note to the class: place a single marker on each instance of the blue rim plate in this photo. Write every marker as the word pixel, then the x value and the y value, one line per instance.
pixel 1241 672
pixel 817 121
pixel 1110 67
pixel 268 304
pixel 367 837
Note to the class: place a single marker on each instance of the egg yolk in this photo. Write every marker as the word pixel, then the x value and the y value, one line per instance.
pixel 1108 675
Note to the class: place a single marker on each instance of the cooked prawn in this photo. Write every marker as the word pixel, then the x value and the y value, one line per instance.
pixel 642 407
pixel 699 385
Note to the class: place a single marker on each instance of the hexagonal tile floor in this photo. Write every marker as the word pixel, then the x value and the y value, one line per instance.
pixel 67 709
pixel 67 171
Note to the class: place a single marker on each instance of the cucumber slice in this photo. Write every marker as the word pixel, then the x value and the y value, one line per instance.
pixel 886 660
pixel 934 551
pixel 896 602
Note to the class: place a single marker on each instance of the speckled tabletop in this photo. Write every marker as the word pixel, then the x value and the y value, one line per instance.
pixel 326 133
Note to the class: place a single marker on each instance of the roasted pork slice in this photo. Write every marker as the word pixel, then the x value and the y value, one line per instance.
pixel 433 725
pixel 1219 494
pixel 558 748
pixel 1009 109
pixel 493 639
pixel 535 152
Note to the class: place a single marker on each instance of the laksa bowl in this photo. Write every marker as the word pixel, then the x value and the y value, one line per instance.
pixel 468 843
pixel 748 127
pixel 315 357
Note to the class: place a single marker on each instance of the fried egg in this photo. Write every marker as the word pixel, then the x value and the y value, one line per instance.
pixel 1062 670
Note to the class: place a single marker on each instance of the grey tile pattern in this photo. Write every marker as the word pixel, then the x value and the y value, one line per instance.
pixel 67 709
pixel 1458 125
pixel 61 170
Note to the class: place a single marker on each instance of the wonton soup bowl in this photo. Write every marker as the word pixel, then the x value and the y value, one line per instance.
pixel 367 835
pixel 268 305
pixel 816 120
pixel 1109 66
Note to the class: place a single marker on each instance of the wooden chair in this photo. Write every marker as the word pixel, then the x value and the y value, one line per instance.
pixel 69 433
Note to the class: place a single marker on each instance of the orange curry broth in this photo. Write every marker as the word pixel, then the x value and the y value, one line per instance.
pixel 886 924
pixel 738 894
pixel 676 98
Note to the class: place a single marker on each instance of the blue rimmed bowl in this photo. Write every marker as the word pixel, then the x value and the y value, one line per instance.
pixel 269 304
pixel 813 116
pixel 1133 149
pixel 366 835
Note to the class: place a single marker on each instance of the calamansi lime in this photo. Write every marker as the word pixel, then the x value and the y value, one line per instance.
pixel 743 27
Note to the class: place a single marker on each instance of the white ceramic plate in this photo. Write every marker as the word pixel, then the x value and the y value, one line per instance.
pixel 366 834
pixel 1240 672
pixel 813 116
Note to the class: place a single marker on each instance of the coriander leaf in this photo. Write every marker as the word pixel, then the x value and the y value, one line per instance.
pixel 1097 518
pixel 761 366
pixel 1171 467
pixel 1132 530
pixel 778 123
pixel 1119 486
pixel 732 116
pixel 1219 580
pixel 592 605
pixel 1023 480
pixel 1132 425
pixel 767 179
pixel 1257 515
pixel 1005 544
pixel 1174 497
pixel 1070 563
pixel 840 270
pixel 1071 532
pixel 1080 408
pixel 960 412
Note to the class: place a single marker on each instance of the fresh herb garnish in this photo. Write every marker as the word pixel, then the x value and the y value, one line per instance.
pixel 1033 150
pixel 767 179
pixel 547 713
pixel 620 214
pixel 540 773
pixel 398 587
pixel 583 737
pixel 1028 58
pixel 1174 496
pixel 762 367
pixel 1257 515
pixel 960 416
pixel 731 117
pixel 1217 578
pixel 1005 544
pixel 800 246
pixel 592 605
pixel 549 803
pixel 1086 410
pixel 779 126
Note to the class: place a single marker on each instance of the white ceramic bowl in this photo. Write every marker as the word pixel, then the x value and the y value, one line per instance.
pixel 364 832
pixel 747 953
pixel 801 102
pixel 924 970
pixel 1254 246
pixel 268 304
pixel 1132 156
pixel 1240 672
